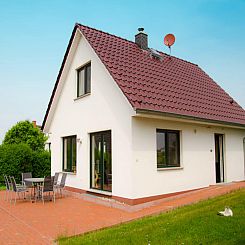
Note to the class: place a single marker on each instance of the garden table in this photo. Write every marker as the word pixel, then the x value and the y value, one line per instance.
pixel 35 182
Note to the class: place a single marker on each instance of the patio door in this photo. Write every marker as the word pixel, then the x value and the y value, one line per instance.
pixel 100 161
pixel 219 157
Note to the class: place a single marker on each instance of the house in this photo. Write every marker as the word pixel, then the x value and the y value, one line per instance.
pixel 135 124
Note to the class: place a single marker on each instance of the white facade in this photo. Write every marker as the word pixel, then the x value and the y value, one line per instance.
pixel 197 157
pixel 134 167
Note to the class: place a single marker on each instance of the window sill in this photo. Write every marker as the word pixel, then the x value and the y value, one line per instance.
pixel 82 96
pixel 170 168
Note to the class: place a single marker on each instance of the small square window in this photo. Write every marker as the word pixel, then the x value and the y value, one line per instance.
pixel 84 80
pixel 168 148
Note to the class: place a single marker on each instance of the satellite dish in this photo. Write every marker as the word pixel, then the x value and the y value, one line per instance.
pixel 169 40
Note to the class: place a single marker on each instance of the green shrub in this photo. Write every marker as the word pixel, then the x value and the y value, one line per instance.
pixel 15 159
pixel 18 158
pixel 41 164
pixel 25 132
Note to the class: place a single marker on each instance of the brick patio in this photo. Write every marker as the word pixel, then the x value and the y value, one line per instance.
pixel 35 223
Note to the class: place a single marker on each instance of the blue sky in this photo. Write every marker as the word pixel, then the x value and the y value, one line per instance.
pixel 35 34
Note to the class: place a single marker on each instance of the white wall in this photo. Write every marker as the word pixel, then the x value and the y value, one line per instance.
pixel 197 157
pixel 234 156
pixel 105 109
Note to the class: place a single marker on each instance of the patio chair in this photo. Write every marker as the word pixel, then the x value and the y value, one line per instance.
pixel 8 187
pixel 26 176
pixel 47 187
pixel 56 177
pixel 11 186
pixel 62 183
pixel 17 189
pixel 27 184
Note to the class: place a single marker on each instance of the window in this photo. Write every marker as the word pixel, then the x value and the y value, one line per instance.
pixel 168 148
pixel 84 80
pixel 69 154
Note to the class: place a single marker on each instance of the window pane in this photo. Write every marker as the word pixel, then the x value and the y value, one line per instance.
pixel 88 79
pixel 74 154
pixel 69 154
pixel 161 150
pixel 168 148
pixel 80 85
pixel 65 154
pixel 96 176
pixel 173 149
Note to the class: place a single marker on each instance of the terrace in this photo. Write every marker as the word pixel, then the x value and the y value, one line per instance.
pixel 35 223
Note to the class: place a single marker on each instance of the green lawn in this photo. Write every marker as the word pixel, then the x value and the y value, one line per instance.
pixel 195 224
pixel 2 187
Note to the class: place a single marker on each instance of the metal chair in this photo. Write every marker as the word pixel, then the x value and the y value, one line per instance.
pixel 11 186
pixel 62 183
pixel 27 184
pixel 8 188
pixel 26 176
pixel 17 189
pixel 47 187
pixel 56 177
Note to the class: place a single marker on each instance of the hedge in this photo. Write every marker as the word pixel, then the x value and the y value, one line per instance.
pixel 41 163
pixel 18 158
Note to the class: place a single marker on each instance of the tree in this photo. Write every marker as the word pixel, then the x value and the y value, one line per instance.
pixel 25 132
pixel 20 158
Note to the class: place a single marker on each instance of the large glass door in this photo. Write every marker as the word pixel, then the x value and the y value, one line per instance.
pixel 100 161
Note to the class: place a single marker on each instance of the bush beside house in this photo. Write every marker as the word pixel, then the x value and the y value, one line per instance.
pixel 23 151
pixel 41 163
pixel 26 132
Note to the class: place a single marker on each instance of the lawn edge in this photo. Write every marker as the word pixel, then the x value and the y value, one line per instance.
pixel 63 237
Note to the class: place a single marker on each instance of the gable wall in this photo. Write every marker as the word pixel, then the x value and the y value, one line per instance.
pixel 105 109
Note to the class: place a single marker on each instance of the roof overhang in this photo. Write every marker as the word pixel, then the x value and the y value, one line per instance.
pixel 187 119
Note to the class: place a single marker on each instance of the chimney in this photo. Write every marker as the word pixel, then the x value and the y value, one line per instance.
pixel 141 39
pixel 34 123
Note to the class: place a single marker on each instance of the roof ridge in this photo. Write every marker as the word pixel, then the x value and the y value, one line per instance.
pixel 79 24
pixel 177 58
pixel 106 33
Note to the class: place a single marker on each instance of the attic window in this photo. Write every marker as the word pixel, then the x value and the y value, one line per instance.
pixel 84 80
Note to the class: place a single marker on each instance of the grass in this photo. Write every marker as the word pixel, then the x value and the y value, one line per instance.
pixel 2 187
pixel 194 224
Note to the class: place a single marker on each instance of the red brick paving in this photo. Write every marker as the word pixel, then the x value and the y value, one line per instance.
pixel 35 223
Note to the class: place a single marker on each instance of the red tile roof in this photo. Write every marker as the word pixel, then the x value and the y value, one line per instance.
pixel 170 85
